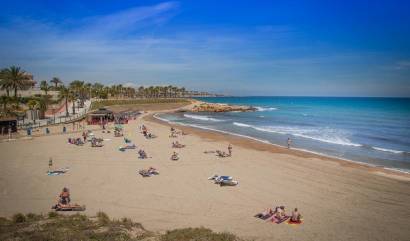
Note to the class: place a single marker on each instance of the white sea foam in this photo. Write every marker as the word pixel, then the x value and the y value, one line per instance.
pixel 320 134
pixel 241 124
pixel 387 150
pixel 202 118
pixel 267 142
pixel 259 108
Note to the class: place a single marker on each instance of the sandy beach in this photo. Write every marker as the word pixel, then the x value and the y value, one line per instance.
pixel 338 200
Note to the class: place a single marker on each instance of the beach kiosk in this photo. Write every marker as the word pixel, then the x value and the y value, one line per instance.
pixel 8 125
pixel 100 117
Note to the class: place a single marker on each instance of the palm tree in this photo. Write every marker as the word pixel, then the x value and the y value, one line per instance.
pixel 77 89
pixel 44 86
pixel 17 79
pixel 72 98
pixel 5 100
pixel 31 104
pixel 65 93
pixel 42 105
pixel 141 91
pixel 5 84
pixel 56 81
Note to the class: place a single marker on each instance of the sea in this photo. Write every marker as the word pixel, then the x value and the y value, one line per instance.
pixel 374 131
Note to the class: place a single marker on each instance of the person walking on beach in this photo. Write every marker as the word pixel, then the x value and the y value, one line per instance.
pixel 289 142
pixel 50 163
pixel 230 149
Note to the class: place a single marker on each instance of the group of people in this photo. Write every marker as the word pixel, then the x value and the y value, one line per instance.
pixel 223 153
pixel 145 132
pixel 75 141
pixel 174 133
pixel 279 215
pixel 96 142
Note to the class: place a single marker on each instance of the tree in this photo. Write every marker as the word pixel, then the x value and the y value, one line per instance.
pixel 5 84
pixel 141 91
pixel 16 79
pixel 65 94
pixel 72 97
pixel 56 81
pixel 5 100
pixel 44 86
pixel 42 105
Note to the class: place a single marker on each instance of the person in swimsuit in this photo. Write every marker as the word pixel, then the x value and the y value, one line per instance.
pixel 65 196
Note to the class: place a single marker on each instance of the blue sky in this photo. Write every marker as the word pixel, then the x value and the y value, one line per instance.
pixel 308 48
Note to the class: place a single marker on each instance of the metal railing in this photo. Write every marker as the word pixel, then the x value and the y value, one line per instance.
pixel 24 124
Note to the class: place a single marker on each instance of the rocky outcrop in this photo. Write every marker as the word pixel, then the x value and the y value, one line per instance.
pixel 212 107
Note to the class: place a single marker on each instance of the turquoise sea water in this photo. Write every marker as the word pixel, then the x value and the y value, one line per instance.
pixel 370 130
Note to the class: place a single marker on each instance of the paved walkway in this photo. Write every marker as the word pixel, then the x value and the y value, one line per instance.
pixel 59 117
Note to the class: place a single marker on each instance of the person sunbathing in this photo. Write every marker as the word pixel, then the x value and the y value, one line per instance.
pixel 64 197
pixel 296 217
pixel 280 212
pixel 174 156
pixel 177 145
pixel 142 154
pixel 222 153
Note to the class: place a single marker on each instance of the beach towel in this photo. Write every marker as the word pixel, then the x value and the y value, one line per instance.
pixel 295 223
pixel 73 207
pixel 263 215
pixel 279 221
pixel 57 172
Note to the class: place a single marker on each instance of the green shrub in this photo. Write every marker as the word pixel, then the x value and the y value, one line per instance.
pixel 103 218
pixel 53 214
pixel 19 218
pixel 34 217
pixel 203 234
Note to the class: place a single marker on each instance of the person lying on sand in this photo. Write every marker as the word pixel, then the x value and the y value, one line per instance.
pixel 174 156
pixel 222 153
pixel 177 145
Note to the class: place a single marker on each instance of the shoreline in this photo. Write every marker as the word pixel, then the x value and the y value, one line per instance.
pixel 262 145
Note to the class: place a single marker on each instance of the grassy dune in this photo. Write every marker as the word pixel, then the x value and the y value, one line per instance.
pixel 59 227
